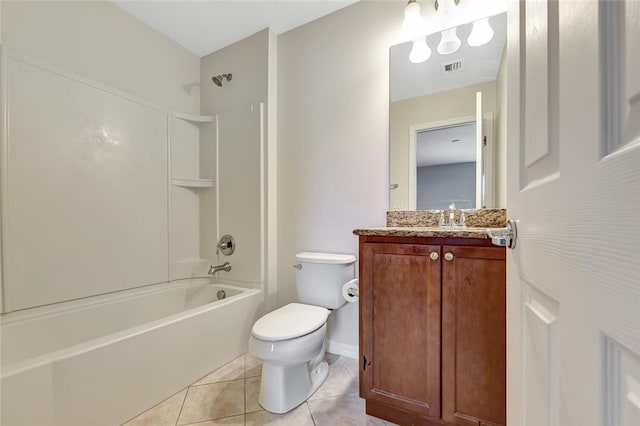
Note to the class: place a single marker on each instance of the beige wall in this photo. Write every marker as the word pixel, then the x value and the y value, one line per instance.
pixel 424 109
pixel 332 139
pixel 99 41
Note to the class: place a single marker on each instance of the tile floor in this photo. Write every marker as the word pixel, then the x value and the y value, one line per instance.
pixel 229 396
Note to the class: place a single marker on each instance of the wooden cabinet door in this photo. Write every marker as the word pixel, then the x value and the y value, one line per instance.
pixel 400 326
pixel 473 335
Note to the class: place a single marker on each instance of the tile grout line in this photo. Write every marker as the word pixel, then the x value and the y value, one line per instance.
pixel 182 405
pixel 151 408
pixel 313 420
pixel 214 383
pixel 210 420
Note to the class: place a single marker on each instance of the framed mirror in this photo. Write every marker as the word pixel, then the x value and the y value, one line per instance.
pixel 447 124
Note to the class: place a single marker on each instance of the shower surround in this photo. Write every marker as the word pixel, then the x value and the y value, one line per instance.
pixel 110 213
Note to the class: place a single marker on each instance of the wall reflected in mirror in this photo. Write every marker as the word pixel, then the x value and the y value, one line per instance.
pixel 433 115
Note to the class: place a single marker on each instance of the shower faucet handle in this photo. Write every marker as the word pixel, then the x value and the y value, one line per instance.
pixel 227 245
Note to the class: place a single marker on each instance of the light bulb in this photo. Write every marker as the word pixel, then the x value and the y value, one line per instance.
pixel 449 42
pixel 420 51
pixel 448 14
pixel 482 33
pixel 414 25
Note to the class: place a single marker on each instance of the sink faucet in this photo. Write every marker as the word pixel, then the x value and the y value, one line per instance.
pixel 442 223
pixel 452 210
pixel 226 266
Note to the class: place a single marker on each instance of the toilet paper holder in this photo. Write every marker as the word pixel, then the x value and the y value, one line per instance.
pixel 351 291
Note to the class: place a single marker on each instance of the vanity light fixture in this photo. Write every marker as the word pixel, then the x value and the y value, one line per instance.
pixel 414 26
pixel 448 15
pixel 420 51
pixel 482 33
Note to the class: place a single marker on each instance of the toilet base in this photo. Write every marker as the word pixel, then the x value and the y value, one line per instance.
pixel 283 388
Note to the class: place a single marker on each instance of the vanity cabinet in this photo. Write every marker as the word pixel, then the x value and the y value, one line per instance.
pixel 432 330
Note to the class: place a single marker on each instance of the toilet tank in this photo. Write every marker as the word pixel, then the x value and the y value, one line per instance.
pixel 320 277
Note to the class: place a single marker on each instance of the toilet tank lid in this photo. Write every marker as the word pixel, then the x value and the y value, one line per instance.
pixel 290 321
pixel 314 257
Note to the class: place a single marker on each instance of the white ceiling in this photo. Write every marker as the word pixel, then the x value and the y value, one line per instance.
pixel 203 27
pixel 436 147
pixel 480 64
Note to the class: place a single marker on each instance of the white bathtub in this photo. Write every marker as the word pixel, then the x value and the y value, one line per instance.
pixel 104 360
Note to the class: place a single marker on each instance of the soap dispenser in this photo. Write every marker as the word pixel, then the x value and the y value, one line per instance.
pixel 441 223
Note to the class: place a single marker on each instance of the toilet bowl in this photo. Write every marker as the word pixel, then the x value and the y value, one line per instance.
pixel 293 366
pixel 290 341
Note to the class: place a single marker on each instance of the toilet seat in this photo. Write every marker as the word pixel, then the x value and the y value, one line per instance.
pixel 290 321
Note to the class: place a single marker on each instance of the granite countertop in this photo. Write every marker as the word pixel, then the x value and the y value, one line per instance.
pixel 423 231
pixel 424 223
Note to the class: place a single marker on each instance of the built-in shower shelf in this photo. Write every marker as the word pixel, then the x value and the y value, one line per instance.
pixel 197 119
pixel 192 138
pixel 193 183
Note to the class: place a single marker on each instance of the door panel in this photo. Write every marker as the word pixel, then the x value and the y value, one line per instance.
pixel 623 385
pixel 401 360
pixel 540 91
pixel 540 355
pixel 573 277
pixel 620 67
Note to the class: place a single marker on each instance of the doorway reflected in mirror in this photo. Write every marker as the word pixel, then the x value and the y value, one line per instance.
pixel 446 167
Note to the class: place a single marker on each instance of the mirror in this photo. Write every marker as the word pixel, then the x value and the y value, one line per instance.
pixel 447 124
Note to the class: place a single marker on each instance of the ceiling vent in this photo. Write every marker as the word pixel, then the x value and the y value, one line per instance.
pixel 453 66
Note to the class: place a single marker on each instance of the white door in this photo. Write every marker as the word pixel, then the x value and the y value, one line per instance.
pixel 573 280
pixel 480 158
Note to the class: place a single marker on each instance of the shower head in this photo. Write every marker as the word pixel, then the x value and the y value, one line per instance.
pixel 217 80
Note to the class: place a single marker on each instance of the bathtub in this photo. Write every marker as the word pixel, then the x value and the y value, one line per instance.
pixel 103 360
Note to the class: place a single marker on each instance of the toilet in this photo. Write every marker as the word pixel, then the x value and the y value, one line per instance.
pixel 290 341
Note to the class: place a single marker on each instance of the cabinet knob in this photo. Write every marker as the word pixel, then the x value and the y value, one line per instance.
pixel 434 255
pixel 448 256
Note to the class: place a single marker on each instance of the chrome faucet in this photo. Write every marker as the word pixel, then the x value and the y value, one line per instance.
pixel 442 223
pixel 226 266
pixel 452 215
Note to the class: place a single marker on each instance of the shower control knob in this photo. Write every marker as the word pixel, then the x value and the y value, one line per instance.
pixel 434 256
pixel 226 245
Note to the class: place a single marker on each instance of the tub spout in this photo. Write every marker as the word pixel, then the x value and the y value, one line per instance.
pixel 226 266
